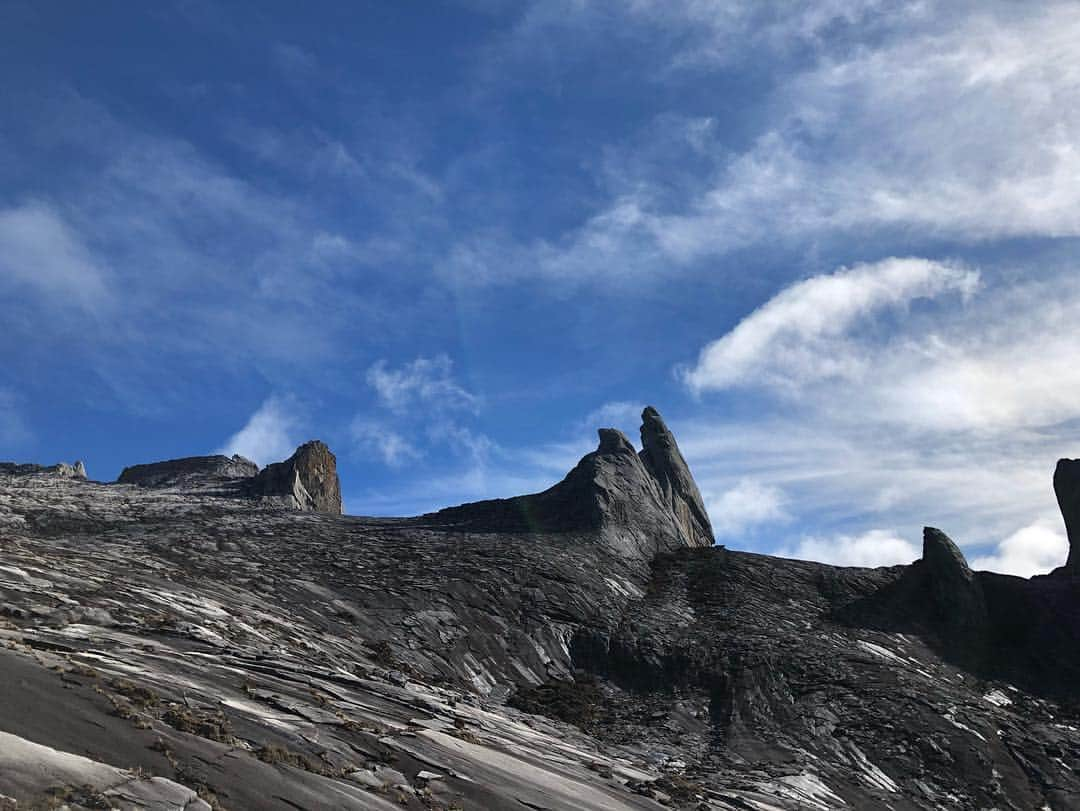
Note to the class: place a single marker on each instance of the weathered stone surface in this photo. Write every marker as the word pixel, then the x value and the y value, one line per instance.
pixel 280 659
pixel 1067 489
pixel 188 470
pixel 62 469
pixel 307 480
pixel 663 459
pixel 31 772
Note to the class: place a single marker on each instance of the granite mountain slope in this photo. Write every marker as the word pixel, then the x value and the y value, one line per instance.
pixel 205 633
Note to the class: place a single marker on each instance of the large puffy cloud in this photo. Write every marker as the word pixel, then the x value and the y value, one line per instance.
pixel 877 547
pixel 796 335
pixel 1035 549
pixel 269 435
pixel 746 505
pixel 950 413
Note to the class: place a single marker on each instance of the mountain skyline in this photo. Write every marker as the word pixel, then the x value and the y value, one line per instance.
pixel 835 246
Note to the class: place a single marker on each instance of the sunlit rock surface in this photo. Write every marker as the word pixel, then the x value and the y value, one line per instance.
pixel 583 648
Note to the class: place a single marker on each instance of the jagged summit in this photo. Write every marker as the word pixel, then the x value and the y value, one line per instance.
pixel 639 504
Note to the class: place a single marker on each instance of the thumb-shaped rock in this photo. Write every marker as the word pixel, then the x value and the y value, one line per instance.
pixel 663 459
pixel 1067 490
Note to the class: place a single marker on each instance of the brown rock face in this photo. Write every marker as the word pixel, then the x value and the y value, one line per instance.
pixel 308 479
pixel 663 459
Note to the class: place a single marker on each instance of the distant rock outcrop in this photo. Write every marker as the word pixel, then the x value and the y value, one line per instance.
pixel 307 480
pixel 1067 489
pixel 188 470
pixel 637 504
pixel 62 469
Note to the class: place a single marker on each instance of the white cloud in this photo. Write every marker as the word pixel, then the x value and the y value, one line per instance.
pixel 794 337
pixel 747 505
pixel 425 402
pixel 953 417
pixel 268 436
pixel 621 414
pixel 900 119
pixel 40 251
pixel 970 131
pixel 1035 549
pixel 425 381
pixel 877 547
pixel 390 446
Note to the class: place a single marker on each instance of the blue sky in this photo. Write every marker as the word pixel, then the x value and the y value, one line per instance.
pixel 835 245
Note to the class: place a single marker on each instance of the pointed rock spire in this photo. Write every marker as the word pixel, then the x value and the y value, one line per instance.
pixel 663 459
pixel 638 505
pixel 1067 490
pixel 958 601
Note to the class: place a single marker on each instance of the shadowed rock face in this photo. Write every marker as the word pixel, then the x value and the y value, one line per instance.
pixel 637 504
pixel 957 596
pixel 188 470
pixel 307 480
pixel 1067 489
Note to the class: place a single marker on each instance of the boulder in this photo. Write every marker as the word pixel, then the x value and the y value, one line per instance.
pixel 307 480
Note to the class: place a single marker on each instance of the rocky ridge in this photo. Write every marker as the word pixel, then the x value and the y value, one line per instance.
pixel 582 648
pixel 307 480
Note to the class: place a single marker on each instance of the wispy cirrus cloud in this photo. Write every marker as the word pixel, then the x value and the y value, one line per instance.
pixel 911 121
pixel 393 449
pixel 427 382
pixel 14 430
pixel 42 253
